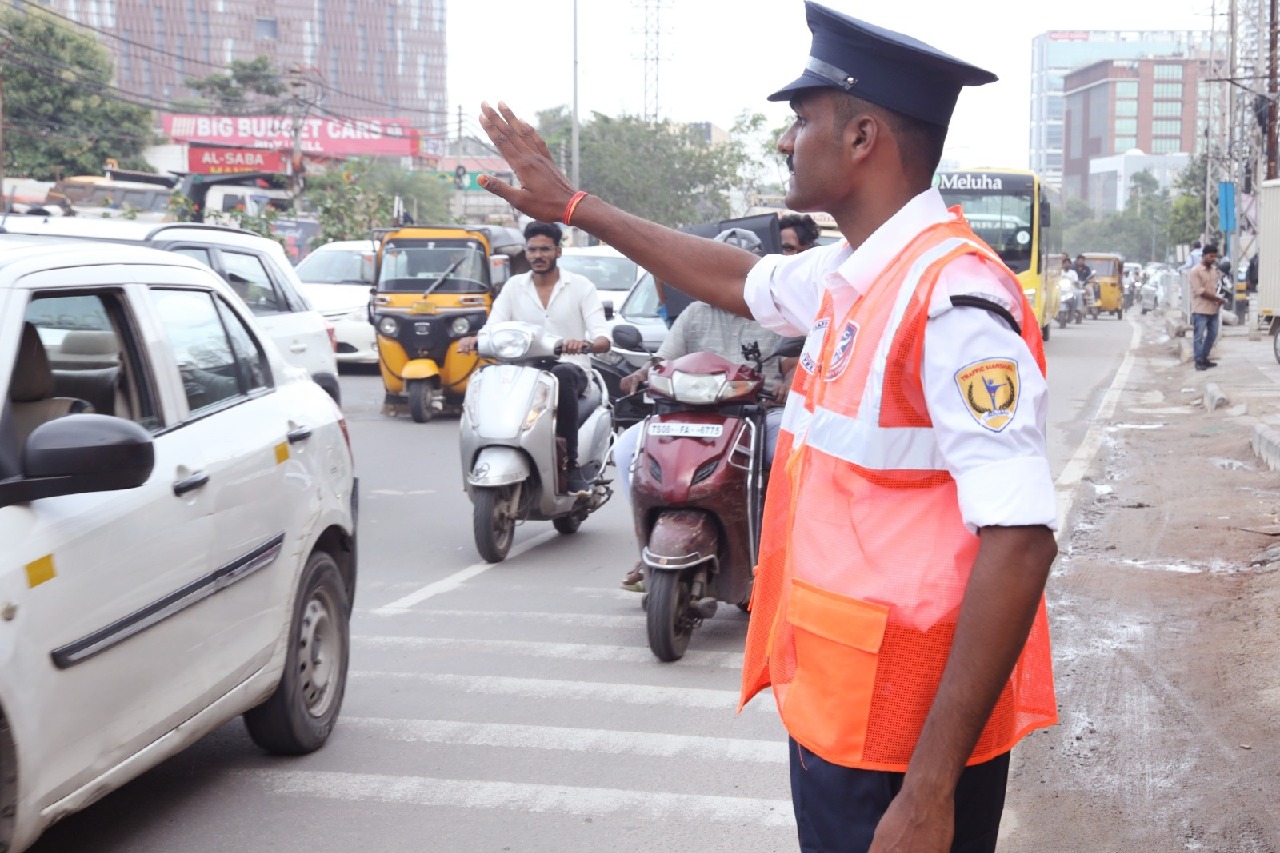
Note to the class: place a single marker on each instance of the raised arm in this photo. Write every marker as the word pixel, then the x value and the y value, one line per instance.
pixel 706 270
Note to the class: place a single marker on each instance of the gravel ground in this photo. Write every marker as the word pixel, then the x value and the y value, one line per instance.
pixel 1164 609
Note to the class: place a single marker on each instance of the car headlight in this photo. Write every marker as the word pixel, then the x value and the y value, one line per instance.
pixel 388 326
pixel 359 315
pixel 459 327
pixel 509 343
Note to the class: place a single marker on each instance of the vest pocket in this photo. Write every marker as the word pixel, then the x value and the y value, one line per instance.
pixel 837 645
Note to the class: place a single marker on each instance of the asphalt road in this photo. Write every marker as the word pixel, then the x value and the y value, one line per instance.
pixel 509 707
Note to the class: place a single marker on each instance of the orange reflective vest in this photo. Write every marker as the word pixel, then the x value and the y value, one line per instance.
pixel 864 556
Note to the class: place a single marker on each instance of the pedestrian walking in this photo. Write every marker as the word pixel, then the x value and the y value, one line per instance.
pixel 1205 305
pixel 898 610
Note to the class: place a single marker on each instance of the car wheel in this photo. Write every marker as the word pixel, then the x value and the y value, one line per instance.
pixel 300 714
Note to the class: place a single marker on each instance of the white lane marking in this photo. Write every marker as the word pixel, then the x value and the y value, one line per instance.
pixel 521 796
pixel 1079 464
pixel 592 691
pixel 649 744
pixel 561 651
pixel 456 579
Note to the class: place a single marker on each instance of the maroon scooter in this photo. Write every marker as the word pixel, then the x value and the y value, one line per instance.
pixel 697 491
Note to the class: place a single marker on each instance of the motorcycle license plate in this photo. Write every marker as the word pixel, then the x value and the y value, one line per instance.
pixel 687 430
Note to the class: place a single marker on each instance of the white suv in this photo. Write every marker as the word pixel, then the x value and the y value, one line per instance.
pixel 177 507
pixel 257 268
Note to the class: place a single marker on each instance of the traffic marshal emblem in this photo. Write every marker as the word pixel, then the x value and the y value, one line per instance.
pixel 990 391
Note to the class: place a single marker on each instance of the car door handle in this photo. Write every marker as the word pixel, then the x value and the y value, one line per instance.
pixel 299 434
pixel 190 484
pixel 298 348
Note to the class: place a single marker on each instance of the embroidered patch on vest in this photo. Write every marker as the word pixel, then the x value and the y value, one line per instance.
pixel 990 391
pixel 843 352
pixel 813 345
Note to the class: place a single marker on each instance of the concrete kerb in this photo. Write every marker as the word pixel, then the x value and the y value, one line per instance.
pixel 1266 444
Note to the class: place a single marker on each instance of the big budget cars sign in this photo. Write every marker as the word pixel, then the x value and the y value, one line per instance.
pixel 325 137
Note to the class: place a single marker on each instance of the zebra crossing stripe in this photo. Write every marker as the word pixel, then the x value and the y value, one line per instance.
pixel 520 796
pixel 591 691
pixel 559 651
pixel 596 741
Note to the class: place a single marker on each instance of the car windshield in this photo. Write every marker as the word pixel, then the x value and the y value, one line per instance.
pixel 643 299
pixel 411 266
pixel 605 272
pixel 337 266
pixel 1102 267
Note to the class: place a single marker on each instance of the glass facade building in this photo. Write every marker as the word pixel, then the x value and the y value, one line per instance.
pixel 1057 53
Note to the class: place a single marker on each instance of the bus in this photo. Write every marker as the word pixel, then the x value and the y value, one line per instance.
pixel 1009 210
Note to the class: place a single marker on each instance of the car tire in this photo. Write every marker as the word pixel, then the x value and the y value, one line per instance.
pixel 300 714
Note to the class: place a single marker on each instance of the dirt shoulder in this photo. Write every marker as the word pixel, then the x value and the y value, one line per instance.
pixel 1165 613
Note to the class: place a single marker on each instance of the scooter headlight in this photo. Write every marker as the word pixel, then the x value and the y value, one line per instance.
pixel 697 388
pixel 541 402
pixel 459 327
pixel 507 343
pixel 388 327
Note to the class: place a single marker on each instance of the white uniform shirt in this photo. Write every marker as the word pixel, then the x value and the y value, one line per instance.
pixel 1002 476
pixel 573 311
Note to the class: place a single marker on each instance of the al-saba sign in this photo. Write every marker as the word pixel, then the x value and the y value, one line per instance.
pixel 233 161
pixel 321 137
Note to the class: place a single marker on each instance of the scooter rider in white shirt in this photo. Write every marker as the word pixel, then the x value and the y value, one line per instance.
pixel 566 305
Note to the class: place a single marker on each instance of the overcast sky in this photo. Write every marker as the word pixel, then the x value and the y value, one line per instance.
pixel 725 56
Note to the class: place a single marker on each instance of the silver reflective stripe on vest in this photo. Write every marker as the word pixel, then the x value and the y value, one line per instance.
pixel 861 440
pixel 795 415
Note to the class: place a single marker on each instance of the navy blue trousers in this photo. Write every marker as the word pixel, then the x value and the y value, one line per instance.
pixel 838 808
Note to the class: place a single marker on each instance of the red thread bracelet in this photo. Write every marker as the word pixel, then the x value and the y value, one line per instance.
pixel 572 206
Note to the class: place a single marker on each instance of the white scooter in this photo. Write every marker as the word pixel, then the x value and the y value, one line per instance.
pixel 510 465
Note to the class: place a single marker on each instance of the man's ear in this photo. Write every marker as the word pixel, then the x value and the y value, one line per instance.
pixel 861 135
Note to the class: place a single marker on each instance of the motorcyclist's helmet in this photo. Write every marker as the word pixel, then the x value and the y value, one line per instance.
pixel 743 238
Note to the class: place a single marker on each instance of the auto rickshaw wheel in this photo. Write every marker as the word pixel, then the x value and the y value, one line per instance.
pixel 420 392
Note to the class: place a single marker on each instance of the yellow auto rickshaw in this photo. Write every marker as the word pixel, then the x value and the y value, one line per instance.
pixel 434 284
pixel 1107 283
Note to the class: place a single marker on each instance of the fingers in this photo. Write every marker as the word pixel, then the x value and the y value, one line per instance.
pixel 498 187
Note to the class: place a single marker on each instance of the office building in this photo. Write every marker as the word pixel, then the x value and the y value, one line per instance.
pixel 1055 54
pixel 1112 108
pixel 366 58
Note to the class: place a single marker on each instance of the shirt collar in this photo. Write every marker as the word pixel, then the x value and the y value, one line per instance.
pixel 861 268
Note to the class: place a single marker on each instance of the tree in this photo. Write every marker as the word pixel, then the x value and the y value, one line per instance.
pixel 1186 219
pixel 248 87
pixel 352 201
pixel 662 171
pixel 62 116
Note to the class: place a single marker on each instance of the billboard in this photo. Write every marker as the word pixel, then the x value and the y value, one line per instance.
pixel 232 161
pixel 321 137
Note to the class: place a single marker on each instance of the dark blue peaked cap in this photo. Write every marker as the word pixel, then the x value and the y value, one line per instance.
pixel 883 67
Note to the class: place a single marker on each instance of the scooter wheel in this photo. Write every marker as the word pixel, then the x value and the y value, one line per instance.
pixel 567 524
pixel 667 615
pixel 493 523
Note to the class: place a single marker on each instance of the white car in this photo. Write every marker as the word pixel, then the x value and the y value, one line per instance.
pixel 257 268
pixel 613 273
pixel 177 507
pixel 336 279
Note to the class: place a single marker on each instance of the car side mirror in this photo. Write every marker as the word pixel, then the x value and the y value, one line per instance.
pixel 628 337
pixel 77 454
pixel 1046 219
pixel 608 309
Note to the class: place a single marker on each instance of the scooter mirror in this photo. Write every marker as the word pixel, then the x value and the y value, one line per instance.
pixel 628 337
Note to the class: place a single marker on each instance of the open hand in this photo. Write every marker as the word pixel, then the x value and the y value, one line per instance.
pixel 544 190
